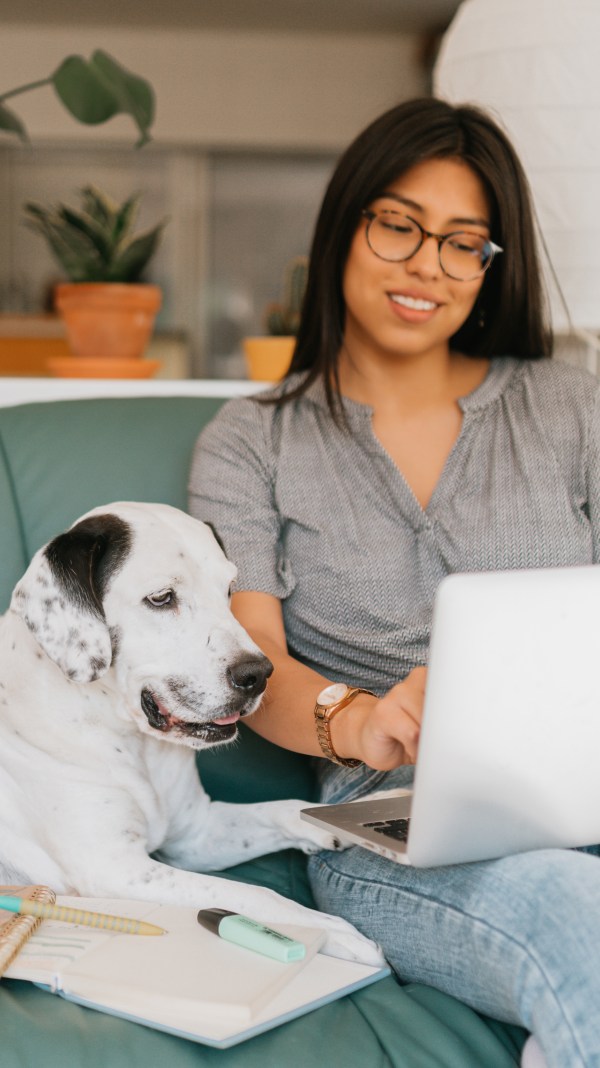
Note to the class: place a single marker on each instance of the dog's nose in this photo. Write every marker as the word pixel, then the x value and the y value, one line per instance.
pixel 250 674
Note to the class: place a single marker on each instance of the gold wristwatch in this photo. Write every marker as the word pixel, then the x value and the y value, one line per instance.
pixel 330 701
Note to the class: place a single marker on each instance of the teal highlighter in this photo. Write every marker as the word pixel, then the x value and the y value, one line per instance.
pixel 250 934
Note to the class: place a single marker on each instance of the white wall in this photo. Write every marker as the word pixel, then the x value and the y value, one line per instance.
pixel 225 89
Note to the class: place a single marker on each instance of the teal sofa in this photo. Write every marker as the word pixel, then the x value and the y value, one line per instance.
pixel 57 460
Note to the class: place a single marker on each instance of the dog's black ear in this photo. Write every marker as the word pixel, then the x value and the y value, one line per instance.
pixel 60 595
pixel 86 556
pixel 216 534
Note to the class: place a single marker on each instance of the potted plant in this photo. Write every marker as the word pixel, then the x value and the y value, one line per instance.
pixel 95 246
pixel 268 357
pixel 107 309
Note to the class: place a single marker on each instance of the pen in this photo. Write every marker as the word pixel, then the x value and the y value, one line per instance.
pixel 101 920
pixel 252 935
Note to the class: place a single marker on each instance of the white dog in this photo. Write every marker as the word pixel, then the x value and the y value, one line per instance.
pixel 119 640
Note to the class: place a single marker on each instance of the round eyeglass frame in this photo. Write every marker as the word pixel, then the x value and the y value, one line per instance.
pixel 371 216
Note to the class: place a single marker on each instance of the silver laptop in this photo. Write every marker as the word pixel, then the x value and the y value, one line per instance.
pixel 509 756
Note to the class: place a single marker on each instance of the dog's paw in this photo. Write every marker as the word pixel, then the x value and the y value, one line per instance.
pixel 316 840
pixel 302 834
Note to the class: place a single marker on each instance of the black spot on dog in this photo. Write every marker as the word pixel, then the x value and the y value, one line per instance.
pixel 84 559
pixel 185 693
pixel 98 664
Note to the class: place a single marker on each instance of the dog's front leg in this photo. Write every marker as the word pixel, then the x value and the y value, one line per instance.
pixel 226 834
pixel 133 875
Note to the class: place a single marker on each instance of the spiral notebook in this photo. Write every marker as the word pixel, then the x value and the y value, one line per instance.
pixel 16 929
pixel 187 982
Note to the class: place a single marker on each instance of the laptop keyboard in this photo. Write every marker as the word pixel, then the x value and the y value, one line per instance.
pixel 397 829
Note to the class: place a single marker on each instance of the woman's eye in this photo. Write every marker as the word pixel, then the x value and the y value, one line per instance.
pixel 161 599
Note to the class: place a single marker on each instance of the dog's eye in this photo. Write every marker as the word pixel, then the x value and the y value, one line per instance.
pixel 162 599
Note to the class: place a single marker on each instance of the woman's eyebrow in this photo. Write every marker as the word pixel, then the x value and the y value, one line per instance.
pixel 414 206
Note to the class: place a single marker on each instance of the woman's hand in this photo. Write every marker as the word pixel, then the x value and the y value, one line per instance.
pixel 383 732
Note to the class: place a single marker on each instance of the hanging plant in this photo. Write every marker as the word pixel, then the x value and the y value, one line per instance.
pixel 93 91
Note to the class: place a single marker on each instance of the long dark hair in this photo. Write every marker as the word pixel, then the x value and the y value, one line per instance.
pixel 512 295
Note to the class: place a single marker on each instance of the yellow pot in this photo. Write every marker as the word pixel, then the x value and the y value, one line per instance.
pixel 268 358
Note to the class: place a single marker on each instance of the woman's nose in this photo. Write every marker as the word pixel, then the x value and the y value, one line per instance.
pixel 426 260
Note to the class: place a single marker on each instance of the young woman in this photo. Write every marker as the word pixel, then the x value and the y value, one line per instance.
pixel 421 430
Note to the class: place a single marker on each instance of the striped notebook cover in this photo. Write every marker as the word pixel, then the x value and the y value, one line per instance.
pixel 16 929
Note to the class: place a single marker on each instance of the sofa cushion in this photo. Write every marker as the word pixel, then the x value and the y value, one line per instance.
pixel 12 548
pixel 382 1026
pixel 70 456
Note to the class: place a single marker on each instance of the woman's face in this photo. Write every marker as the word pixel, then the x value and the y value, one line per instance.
pixel 411 308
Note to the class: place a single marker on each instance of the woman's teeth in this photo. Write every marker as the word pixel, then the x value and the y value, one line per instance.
pixel 413 302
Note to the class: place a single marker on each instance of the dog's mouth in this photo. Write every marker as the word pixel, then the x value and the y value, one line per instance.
pixel 221 729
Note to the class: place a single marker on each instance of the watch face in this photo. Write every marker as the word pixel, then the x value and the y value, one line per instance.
pixel 332 694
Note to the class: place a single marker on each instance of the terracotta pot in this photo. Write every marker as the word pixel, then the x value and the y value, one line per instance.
pixel 100 367
pixel 268 358
pixel 108 319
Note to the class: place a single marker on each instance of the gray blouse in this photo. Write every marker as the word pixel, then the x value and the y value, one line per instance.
pixel 323 519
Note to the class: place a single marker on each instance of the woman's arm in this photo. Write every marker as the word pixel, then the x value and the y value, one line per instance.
pixel 384 732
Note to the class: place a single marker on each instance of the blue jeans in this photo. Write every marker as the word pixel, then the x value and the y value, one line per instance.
pixel 516 938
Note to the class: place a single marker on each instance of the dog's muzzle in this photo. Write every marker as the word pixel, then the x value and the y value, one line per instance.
pixel 246 680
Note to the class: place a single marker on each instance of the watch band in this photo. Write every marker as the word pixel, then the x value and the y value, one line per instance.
pixel 330 701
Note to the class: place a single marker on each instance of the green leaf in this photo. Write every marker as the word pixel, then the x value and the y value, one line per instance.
pixel 71 248
pixel 96 90
pixel 83 93
pixel 125 218
pixel 94 233
pixel 134 95
pixel 128 266
pixel 11 122
pixel 99 206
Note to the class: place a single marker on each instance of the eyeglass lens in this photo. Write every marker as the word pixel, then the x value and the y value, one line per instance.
pixel 396 237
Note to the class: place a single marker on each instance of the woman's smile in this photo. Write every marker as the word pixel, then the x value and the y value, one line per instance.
pixel 413 307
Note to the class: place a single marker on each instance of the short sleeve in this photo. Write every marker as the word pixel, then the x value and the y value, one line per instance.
pixel 231 487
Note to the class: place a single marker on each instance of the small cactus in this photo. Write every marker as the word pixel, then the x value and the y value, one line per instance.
pixel 283 318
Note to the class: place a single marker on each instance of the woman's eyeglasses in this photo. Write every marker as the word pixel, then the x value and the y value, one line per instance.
pixel 394 237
